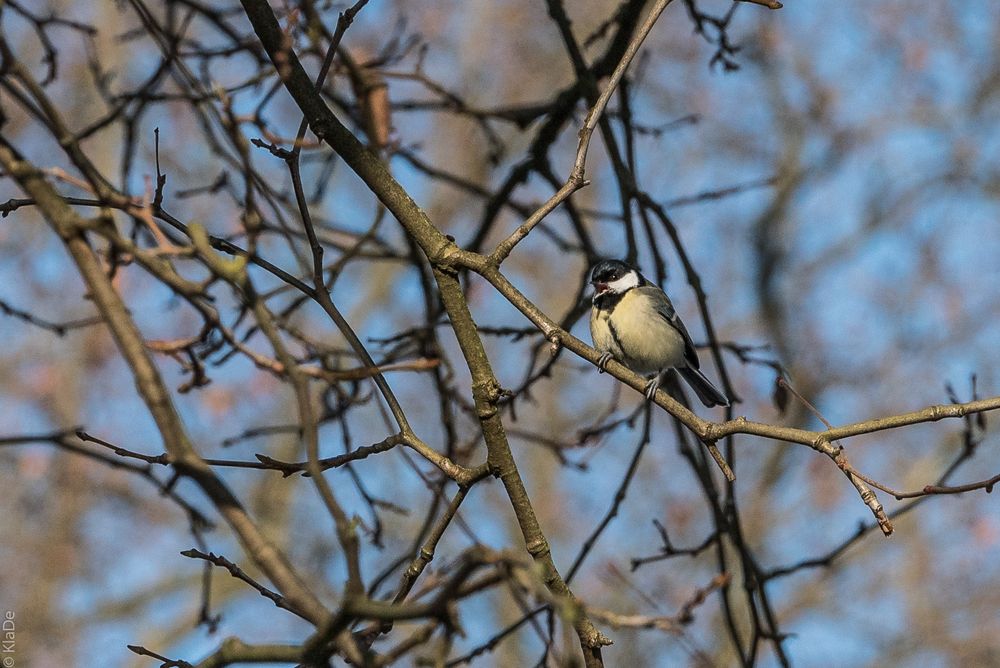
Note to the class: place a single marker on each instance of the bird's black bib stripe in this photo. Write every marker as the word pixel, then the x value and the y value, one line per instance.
pixel 608 301
pixel 614 335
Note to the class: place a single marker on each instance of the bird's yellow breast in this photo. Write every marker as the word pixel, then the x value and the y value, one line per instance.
pixel 637 334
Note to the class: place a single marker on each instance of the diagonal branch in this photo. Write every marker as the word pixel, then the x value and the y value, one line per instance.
pixel 576 178
pixel 70 228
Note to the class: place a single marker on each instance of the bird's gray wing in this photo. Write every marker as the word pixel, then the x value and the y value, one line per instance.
pixel 666 310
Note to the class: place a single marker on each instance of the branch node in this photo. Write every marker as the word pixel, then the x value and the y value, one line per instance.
pixel 555 343
pixel 537 547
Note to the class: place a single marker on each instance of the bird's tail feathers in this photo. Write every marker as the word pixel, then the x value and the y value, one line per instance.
pixel 708 393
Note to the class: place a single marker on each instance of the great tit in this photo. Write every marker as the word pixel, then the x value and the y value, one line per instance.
pixel 633 322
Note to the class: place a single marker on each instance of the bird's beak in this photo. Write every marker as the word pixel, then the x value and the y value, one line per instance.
pixel 600 288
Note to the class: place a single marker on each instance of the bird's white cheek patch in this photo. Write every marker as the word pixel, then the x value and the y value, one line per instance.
pixel 626 282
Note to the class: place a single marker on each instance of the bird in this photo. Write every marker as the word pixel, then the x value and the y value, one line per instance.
pixel 632 321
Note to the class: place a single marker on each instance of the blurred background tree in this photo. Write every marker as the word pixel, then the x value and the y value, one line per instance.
pixel 816 187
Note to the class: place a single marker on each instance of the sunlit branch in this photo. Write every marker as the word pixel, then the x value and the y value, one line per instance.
pixel 576 178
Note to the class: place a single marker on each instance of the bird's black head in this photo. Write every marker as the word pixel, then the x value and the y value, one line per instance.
pixel 614 276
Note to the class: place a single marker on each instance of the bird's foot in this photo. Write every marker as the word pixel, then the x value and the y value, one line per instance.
pixel 651 387
pixel 602 362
